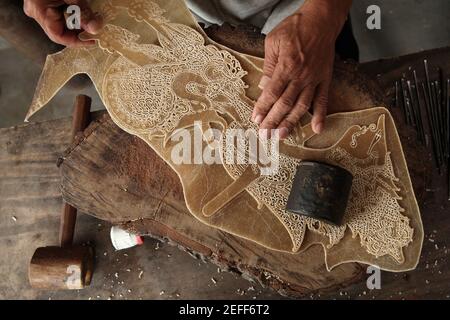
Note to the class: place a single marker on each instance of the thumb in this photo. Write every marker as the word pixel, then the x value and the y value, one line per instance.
pixel 90 21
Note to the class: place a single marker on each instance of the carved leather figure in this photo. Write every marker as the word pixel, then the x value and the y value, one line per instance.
pixel 157 72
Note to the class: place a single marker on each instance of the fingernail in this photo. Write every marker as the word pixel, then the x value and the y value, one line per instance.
pixel 93 26
pixel 284 133
pixel 258 119
pixel 90 26
pixel 84 36
pixel 263 82
pixel 318 127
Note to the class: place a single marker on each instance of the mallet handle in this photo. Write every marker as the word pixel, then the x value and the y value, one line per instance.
pixel 81 115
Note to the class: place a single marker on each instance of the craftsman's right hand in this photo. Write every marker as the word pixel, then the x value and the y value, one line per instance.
pixel 298 66
pixel 50 15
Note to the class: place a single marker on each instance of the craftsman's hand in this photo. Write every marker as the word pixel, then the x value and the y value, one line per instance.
pixel 50 15
pixel 298 66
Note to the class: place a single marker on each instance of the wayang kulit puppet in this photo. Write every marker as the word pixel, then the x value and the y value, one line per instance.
pixel 156 72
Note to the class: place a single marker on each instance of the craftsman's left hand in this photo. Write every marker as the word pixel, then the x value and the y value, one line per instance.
pixel 50 16
pixel 298 67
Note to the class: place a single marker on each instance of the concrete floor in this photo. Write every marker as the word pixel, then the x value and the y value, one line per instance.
pixel 18 79
pixel 143 272
pixel 407 26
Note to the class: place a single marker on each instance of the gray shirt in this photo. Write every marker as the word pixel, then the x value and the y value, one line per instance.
pixel 265 14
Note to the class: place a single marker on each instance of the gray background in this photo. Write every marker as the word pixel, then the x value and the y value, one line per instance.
pixel 407 26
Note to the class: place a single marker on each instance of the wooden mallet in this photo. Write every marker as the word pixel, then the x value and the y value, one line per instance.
pixel 66 267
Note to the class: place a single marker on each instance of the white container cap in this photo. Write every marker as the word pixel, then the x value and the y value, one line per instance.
pixel 122 239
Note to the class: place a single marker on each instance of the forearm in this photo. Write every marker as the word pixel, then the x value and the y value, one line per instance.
pixel 334 13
